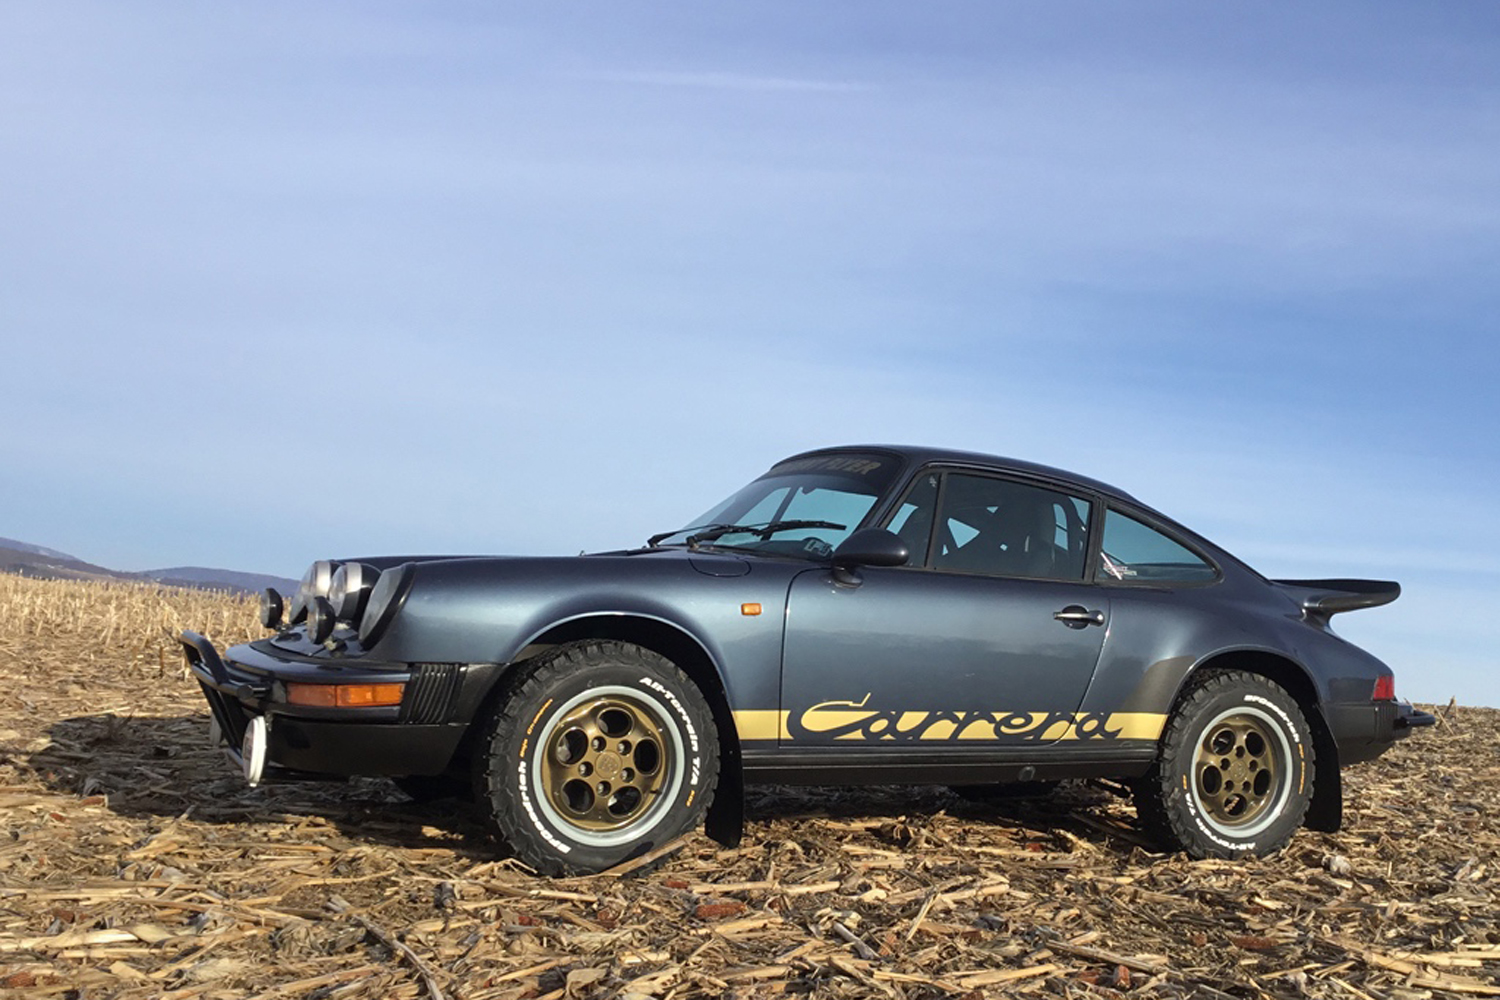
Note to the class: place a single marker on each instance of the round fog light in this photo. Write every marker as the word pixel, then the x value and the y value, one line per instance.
pixel 253 750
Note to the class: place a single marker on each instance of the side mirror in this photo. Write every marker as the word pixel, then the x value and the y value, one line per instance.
pixel 868 547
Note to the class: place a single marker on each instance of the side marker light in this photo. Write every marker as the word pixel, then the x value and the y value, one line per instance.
pixel 750 610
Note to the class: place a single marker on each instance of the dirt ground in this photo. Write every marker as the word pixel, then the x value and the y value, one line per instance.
pixel 135 863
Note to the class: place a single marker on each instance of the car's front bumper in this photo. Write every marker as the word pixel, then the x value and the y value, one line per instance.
pixel 1365 731
pixel 419 736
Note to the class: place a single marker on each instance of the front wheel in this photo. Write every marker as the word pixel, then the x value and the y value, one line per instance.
pixel 1234 774
pixel 597 753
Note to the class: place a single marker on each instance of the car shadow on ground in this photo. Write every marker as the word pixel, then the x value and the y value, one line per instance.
pixel 164 768
pixel 1060 818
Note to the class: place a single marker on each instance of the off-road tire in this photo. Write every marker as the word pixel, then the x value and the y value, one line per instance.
pixel 595 753
pixel 1234 772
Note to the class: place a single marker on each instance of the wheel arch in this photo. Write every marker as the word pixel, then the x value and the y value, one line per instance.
pixel 725 820
pixel 1325 811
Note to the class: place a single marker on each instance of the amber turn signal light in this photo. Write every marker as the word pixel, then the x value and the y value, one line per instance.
pixel 344 695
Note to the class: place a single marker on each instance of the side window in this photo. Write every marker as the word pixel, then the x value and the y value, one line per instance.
pixel 1003 528
pixel 913 519
pixel 1136 552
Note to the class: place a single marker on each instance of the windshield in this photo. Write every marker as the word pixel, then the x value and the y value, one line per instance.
pixel 772 514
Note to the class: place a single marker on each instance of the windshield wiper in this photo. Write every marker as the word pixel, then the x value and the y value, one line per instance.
pixel 656 540
pixel 763 531
pixel 708 532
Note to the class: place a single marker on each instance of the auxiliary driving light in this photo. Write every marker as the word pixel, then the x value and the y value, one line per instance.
pixel 271 607
pixel 315 583
pixel 350 589
pixel 253 750
pixel 320 619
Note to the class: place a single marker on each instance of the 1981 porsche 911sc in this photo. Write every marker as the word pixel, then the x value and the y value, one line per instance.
pixel 854 615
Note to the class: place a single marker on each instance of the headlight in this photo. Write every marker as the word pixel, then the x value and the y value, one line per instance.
pixel 316 582
pixel 350 588
pixel 385 599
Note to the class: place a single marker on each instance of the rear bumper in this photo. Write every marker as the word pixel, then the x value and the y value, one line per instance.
pixel 1365 731
pixel 417 737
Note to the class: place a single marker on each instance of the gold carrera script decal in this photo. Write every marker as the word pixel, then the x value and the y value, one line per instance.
pixel 858 720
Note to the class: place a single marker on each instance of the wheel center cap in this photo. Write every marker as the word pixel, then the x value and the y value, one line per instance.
pixel 607 764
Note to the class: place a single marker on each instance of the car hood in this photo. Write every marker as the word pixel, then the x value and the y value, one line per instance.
pixel 487 608
pixel 707 561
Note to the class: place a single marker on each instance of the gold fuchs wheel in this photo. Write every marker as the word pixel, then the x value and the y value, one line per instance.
pixel 598 752
pixel 1234 774
pixel 602 767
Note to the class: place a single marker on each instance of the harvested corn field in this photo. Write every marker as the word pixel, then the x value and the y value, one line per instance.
pixel 135 863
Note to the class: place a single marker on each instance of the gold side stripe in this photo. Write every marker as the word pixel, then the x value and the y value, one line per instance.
pixel 771 724
pixel 761 724
pixel 1138 725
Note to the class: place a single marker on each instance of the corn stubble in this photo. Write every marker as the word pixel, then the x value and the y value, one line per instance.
pixel 134 863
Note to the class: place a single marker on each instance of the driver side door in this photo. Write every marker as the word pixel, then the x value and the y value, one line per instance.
pixel 988 638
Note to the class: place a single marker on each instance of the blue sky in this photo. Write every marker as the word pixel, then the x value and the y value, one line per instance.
pixel 281 281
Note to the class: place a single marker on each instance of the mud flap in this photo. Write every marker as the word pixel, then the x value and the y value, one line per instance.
pixel 725 822
pixel 1325 812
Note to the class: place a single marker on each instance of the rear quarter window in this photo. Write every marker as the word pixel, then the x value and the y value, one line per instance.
pixel 1135 552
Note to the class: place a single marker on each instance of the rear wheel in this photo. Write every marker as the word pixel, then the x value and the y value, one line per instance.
pixel 598 752
pixel 1234 774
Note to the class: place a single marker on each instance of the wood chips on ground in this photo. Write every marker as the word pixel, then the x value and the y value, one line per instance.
pixel 135 863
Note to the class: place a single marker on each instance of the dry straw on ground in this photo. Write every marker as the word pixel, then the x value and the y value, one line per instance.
pixel 135 864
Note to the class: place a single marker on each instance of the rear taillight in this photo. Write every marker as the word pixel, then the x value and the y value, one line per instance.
pixel 1385 689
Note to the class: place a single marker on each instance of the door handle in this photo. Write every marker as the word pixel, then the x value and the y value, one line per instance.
pixel 1077 616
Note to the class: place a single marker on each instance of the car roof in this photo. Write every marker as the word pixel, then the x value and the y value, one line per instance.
pixel 918 455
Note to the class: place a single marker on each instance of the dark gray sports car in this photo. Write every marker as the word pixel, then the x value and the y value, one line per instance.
pixel 855 615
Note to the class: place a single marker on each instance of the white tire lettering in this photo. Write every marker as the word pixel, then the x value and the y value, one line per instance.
pixel 536 821
pixel 1291 729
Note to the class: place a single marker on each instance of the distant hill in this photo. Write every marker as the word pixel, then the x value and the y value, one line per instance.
pixel 220 579
pixel 28 562
pixel 11 543
pixel 25 559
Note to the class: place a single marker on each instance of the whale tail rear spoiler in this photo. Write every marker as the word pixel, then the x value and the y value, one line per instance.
pixel 1321 599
